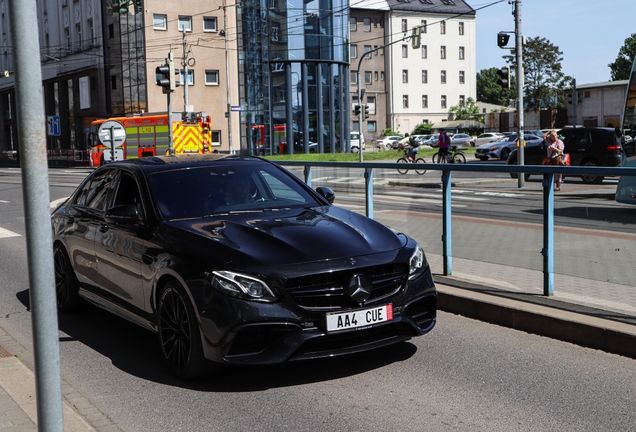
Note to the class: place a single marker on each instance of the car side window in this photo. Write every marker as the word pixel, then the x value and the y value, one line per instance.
pixel 128 193
pixel 97 192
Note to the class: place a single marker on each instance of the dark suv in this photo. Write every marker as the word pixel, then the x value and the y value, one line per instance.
pixel 586 147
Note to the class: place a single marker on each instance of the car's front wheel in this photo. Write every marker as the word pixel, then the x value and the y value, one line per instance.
pixel 66 283
pixel 591 178
pixel 505 152
pixel 179 334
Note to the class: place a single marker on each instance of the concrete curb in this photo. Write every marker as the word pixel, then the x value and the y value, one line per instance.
pixel 581 326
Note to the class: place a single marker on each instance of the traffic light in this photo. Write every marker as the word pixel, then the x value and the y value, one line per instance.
pixel 502 39
pixel 504 77
pixel 365 114
pixel 356 109
pixel 166 76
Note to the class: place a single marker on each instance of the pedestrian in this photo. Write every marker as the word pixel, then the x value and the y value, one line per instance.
pixel 555 154
pixel 444 144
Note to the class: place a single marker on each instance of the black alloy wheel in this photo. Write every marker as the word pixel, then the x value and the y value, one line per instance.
pixel 592 178
pixel 66 284
pixel 179 334
pixel 505 152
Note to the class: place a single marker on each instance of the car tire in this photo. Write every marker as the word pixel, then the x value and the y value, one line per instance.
pixel 482 158
pixel 389 146
pixel 179 334
pixel 66 283
pixel 505 152
pixel 591 179
pixel 354 150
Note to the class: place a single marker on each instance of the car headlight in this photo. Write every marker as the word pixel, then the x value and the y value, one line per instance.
pixel 494 148
pixel 240 285
pixel 417 264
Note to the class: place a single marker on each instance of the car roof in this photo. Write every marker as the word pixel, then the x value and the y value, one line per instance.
pixel 183 161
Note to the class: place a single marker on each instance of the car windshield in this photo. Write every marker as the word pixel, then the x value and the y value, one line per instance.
pixel 210 190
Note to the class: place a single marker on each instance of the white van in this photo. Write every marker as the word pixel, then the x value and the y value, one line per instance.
pixel 355 138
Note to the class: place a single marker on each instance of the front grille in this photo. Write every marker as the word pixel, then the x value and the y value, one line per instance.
pixel 423 311
pixel 327 290
pixel 254 339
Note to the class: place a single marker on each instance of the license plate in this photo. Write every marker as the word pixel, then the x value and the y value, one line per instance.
pixel 356 319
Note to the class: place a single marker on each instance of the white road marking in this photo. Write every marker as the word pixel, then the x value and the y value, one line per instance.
pixel 5 233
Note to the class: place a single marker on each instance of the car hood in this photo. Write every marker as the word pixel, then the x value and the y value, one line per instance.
pixel 285 237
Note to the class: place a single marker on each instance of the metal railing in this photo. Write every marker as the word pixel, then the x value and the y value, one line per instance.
pixel 446 171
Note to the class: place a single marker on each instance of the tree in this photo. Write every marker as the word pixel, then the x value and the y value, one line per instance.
pixel 423 129
pixel 466 111
pixel 489 91
pixel 622 66
pixel 545 82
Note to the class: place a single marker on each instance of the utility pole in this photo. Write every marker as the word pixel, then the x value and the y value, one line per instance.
pixel 520 122
pixel 227 78
pixel 185 72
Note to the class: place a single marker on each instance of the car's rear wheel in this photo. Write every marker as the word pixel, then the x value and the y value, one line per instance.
pixel 482 158
pixel 66 283
pixel 591 179
pixel 179 335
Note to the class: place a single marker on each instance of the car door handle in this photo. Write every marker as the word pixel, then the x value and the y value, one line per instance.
pixel 103 227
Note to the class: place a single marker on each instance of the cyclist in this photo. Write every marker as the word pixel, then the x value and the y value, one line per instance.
pixel 444 144
pixel 412 154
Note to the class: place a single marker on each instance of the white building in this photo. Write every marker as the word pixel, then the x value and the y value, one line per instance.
pixel 599 104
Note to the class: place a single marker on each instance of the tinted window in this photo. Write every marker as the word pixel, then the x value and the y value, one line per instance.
pixel 210 190
pixel 97 191
pixel 128 193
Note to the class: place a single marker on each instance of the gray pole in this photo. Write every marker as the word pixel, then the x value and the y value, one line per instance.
pixel 575 101
pixel 185 72
pixel 227 80
pixel 35 190
pixel 519 52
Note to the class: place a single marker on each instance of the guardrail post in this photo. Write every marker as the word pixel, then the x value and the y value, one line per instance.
pixel 368 183
pixel 548 234
pixel 307 173
pixel 446 223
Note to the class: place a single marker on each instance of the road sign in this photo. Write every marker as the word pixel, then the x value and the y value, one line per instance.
pixel 53 127
pixel 112 132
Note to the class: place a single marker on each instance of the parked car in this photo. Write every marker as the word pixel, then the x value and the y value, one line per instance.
pixel 433 141
pixel 586 147
pixel 386 143
pixel 502 148
pixel 422 138
pixel 462 140
pixel 235 260
pixel 487 137
pixel 355 138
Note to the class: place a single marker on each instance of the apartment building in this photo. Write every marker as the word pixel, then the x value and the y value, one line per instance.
pixel 421 81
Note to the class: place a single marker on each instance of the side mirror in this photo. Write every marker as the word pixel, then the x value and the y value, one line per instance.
pixel 124 214
pixel 326 193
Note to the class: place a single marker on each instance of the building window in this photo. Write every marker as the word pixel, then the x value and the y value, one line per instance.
pixel 113 82
pixel 423 24
pixel 375 49
pixel 367 77
pixel 190 77
pixel 160 22
pixel 67 36
pixel 375 75
pixel 353 77
pixel 443 77
pixel 367 52
pixel 355 125
pixel 462 99
pixel 461 28
pixel 216 137
pixel 371 126
pixel 405 101
pixel 275 32
pixel 462 77
pixel 381 75
pixel 353 51
pixel 78 33
pixel 371 104
pixel 442 27
pixel 443 101
pixel 209 24
pixel 405 76
pixel 424 51
pixel 91 32
pixel 424 76
pixel 353 24
pixel 211 77
pixel 461 53
pixel 111 31
pixel 424 101
pixel 442 52
pixel 405 51
pixel 367 24
pixel 405 26
pixel 185 22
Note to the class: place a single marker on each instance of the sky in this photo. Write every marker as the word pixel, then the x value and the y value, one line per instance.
pixel 589 33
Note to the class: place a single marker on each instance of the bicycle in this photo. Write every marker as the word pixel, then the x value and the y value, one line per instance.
pixel 406 159
pixel 455 155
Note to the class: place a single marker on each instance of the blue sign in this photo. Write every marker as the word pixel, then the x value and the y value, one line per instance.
pixel 53 126
pixel 236 108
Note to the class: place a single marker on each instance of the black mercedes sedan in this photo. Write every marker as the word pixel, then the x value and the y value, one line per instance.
pixel 234 260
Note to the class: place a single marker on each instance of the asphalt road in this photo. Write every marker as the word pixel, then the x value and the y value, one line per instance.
pixel 464 375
